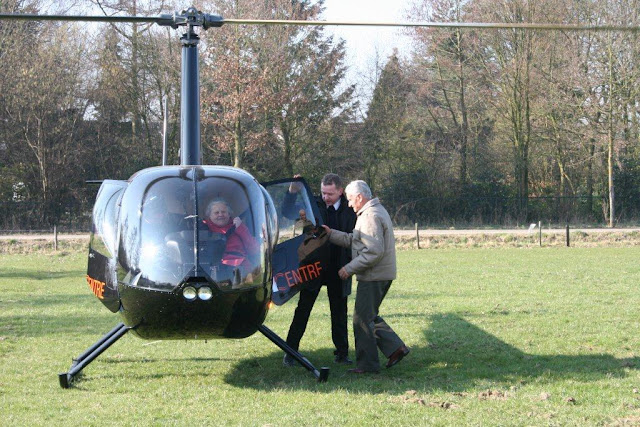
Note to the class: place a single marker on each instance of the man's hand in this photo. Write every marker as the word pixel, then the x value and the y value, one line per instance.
pixel 296 186
pixel 327 229
pixel 237 221
pixel 343 274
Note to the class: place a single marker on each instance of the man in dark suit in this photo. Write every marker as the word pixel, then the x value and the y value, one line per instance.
pixel 335 213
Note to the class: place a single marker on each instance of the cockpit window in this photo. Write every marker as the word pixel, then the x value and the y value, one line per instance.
pixel 231 234
pixel 159 229
pixel 294 208
pixel 104 232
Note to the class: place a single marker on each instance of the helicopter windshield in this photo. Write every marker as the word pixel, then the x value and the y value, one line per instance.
pixel 231 231
pixel 154 207
pixel 180 223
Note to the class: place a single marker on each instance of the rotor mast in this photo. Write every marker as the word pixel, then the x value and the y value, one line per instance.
pixel 190 146
pixel 190 100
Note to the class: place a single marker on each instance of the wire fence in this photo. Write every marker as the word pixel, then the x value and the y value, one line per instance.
pixel 34 217
pixel 467 211
pixel 501 211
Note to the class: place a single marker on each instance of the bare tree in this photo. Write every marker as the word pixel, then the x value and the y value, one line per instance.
pixel 446 71
pixel 46 105
pixel 141 54
pixel 255 102
pixel 304 84
pixel 233 84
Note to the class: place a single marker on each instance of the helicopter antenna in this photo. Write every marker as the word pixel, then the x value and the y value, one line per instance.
pixel 164 131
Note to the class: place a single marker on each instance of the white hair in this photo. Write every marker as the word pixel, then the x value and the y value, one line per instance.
pixel 218 201
pixel 359 187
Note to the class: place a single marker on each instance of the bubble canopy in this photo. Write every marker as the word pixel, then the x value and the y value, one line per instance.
pixel 185 222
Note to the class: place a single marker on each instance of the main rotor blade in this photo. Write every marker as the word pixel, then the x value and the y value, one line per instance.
pixel 94 18
pixel 487 25
pixel 169 20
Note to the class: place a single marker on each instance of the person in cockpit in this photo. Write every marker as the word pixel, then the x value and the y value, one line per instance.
pixel 240 247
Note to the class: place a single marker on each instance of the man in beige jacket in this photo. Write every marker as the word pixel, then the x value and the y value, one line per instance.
pixel 374 264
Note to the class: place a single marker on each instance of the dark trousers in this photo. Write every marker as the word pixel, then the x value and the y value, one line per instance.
pixel 338 307
pixel 369 329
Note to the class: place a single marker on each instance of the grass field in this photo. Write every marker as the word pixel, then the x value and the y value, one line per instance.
pixel 535 336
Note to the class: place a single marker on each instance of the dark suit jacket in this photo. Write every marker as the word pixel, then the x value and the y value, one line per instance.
pixel 346 222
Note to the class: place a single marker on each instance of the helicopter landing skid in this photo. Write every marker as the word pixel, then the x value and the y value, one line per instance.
pixel 79 363
pixel 320 375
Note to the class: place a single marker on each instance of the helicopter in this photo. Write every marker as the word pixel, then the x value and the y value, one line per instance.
pixel 153 259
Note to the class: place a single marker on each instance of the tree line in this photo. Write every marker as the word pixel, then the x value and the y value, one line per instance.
pixel 472 127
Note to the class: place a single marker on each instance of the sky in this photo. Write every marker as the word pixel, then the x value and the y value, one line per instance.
pixel 364 44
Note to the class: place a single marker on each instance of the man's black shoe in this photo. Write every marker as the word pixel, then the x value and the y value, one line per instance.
pixel 397 355
pixel 289 361
pixel 342 359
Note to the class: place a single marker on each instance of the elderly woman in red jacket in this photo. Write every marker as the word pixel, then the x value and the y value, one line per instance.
pixel 240 244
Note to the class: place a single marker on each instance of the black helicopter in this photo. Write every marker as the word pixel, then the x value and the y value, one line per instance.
pixel 154 260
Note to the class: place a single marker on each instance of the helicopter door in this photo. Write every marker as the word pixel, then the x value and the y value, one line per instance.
pixel 302 252
pixel 101 270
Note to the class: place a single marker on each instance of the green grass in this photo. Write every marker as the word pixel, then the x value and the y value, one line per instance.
pixel 538 336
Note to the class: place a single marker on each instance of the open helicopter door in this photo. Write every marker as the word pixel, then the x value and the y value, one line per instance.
pixel 302 253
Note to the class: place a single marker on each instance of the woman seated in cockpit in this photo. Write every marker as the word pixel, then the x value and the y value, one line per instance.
pixel 240 246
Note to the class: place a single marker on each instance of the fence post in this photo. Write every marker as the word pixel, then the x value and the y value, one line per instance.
pixel 55 238
pixel 567 234
pixel 417 236
pixel 540 232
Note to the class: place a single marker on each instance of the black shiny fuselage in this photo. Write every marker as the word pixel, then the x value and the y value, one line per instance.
pixel 168 315
pixel 140 263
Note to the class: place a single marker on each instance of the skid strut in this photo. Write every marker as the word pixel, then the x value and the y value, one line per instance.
pixel 66 378
pixel 320 375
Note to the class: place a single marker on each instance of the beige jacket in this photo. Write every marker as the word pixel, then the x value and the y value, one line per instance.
pixel 373 245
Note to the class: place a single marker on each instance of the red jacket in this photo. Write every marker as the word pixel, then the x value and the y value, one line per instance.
pixel 241 245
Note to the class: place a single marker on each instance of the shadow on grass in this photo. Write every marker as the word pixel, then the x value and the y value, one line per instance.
pixel 462 352
pixel 180 369
pixel 459 357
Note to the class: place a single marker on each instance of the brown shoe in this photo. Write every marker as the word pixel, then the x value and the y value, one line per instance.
pixel 397 355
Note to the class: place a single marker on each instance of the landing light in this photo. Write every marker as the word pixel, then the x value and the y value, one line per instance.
pixel 189 293
pixel 204 293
